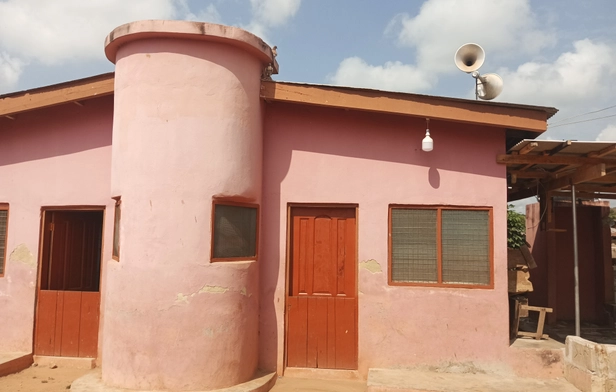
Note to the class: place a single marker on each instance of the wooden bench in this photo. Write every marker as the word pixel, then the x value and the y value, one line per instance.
pixel 540 323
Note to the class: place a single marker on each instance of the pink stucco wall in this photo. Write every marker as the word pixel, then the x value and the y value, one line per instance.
pixel 59 156
pixel 316 155
pixel 187 130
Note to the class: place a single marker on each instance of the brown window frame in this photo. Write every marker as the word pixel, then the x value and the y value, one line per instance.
pixel 5 207
pixel 117 217
pixel 439 261
pixel 233 203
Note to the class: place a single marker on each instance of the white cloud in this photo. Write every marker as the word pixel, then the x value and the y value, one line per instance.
pixel 274 13
pixel 501 27
pixel 55 31
pixel 608 134
pixel 10 70
pixel 583 77
pixel 393 76
pixel 209 14
pixel 268 14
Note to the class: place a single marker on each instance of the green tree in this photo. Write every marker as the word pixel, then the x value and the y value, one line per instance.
pixel 516 228
pixel 612 216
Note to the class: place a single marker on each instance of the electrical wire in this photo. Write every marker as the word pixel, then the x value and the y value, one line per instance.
pixel 584 114
pixel 579 122
pixel 545 209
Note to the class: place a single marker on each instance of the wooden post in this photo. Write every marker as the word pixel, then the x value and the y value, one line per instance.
pixel 576 273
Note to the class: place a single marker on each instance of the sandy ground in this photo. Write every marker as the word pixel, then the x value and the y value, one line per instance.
pixel 41 379
pixel 46 379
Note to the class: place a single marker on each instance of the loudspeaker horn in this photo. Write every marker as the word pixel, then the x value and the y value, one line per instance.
pixel 489 86
pixel 469 57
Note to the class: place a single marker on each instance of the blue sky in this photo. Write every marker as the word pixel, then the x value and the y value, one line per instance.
pixel 552 53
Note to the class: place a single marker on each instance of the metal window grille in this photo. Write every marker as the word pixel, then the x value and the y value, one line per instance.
pixel 466 247
pixel 3 225
pixel 413 242
pixel 463 256
pixel 235 231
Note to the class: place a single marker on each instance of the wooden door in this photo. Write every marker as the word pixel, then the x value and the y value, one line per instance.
pixel 67 315
pixel 322 297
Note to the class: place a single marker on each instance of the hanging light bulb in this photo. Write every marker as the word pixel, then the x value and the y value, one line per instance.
pixel 427 144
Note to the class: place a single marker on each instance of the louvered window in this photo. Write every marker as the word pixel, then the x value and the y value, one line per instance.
pixel 4 221
pixel 441 246
pixel 234 235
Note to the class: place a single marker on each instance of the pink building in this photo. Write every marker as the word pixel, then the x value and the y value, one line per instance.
pixel 187 222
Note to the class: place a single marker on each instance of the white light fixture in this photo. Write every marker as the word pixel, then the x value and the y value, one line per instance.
pixel 427 144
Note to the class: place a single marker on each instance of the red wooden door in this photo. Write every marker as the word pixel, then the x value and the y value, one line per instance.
pixel 67 315
pixel 322 298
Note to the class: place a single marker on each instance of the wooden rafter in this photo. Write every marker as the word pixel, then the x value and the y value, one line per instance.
pixel 558 148
pixel 528 148
pixel 608 179
pixel 595 188
pixel 603 152
pixel 587 173
pixel 550 160
pixel 591 167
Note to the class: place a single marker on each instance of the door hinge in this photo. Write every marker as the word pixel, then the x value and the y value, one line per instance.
pixel 51 225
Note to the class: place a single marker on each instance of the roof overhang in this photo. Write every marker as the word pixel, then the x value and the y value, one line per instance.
pixel 57 94
pixel 551 167
pixel 519 120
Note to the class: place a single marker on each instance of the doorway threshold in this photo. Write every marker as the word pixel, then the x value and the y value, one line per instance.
pixel 66 362
pixel 322 374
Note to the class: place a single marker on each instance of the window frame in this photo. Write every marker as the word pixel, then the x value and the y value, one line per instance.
pixel 439 246
pixel 116 226
pixel 5 207
pixel 233 203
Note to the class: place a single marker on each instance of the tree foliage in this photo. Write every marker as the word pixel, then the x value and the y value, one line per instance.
pixel 516 228
pixel 612 216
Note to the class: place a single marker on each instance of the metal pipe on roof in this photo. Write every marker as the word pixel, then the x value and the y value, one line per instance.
pixel 576 274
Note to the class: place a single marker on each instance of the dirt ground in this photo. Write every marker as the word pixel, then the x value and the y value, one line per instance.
pixel 41 379
pixel 46 379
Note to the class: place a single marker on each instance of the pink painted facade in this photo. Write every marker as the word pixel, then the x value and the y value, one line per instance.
pixel 51 157
pixel 315 155
pixel 189 127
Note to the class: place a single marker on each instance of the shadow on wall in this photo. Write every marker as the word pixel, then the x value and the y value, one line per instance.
pixel 458 147
pixel 56 131
pixel 434 178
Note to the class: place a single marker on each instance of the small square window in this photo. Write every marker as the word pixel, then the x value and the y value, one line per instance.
pixel 234 235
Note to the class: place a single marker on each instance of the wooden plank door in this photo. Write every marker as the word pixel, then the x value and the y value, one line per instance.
pixel 322 297
pixel 67 315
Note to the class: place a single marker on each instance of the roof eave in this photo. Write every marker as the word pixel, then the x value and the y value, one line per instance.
pixel 532 119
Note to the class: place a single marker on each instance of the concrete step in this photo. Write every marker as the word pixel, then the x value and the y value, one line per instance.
pixel 417 380
pixel 13 362
pixel 65 362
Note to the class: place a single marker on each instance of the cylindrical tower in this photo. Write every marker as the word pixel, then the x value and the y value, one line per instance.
pixel 187 131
